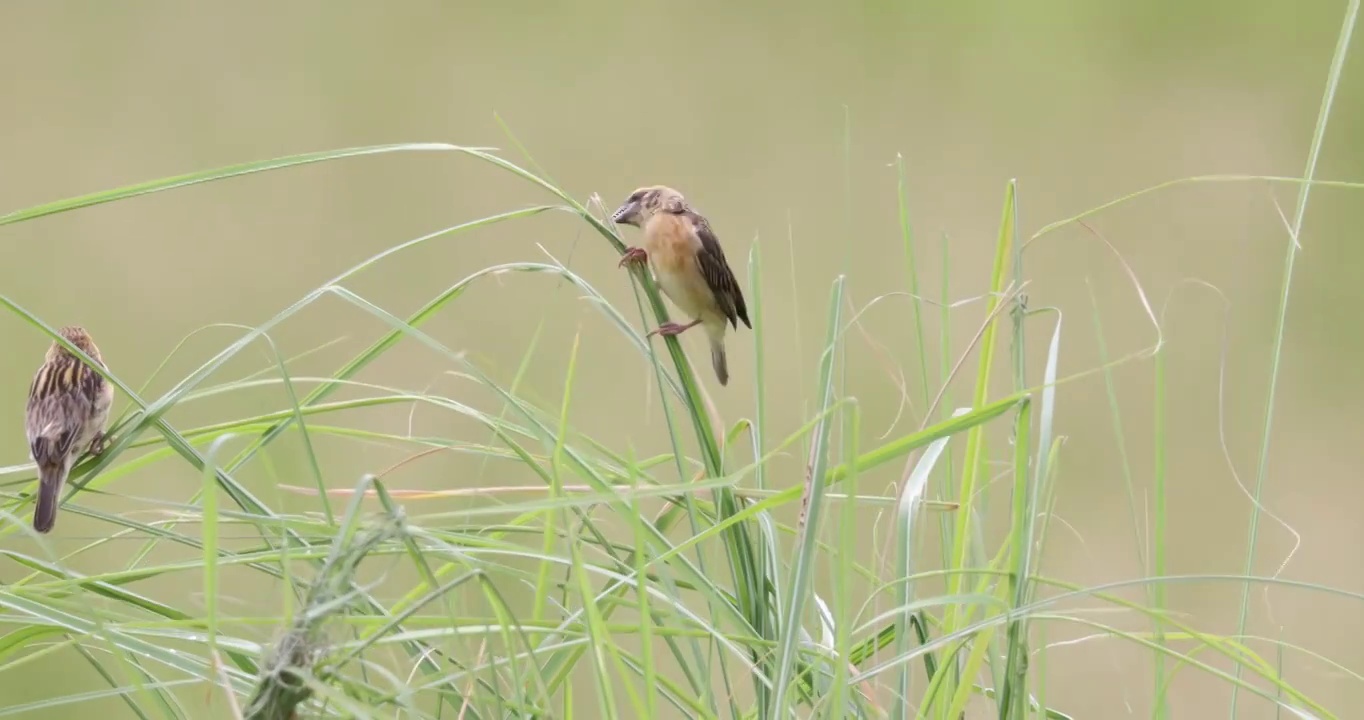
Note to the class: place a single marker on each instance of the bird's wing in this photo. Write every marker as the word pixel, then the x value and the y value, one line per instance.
pixel 715 269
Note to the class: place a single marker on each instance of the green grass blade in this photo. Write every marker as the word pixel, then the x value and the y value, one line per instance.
pixel 204 176
pixel 812 507
pixel 1281 317
pixel 975 439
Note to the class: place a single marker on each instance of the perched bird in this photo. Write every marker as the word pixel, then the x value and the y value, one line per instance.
pixel 68 407
pixel 688 266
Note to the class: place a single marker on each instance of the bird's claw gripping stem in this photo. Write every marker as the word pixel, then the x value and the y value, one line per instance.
pixel 633 255
pixel 669 329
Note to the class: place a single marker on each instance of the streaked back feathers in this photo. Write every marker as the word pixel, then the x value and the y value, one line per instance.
pixel 63 372
pixel 68 407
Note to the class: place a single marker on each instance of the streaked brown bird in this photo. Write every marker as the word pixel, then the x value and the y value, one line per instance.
pixel 688 265
pixel 68 407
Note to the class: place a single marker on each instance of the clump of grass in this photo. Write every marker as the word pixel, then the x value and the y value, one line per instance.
pixel 750 614
pixel 689 584
pixel 292 665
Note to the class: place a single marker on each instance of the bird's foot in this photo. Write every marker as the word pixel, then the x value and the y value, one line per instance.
pixel 97 445
pixel 633 255
pixel 669 329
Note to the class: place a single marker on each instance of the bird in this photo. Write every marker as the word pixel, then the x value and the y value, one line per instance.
pixel 688 264
pixel 68 408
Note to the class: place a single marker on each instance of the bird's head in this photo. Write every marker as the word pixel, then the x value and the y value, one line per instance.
pixel 76 335
pixel 645 202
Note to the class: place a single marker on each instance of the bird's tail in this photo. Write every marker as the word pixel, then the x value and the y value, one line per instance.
pixel 717 359
pixel 50 481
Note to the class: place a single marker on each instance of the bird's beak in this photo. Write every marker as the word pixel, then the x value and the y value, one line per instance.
pixel 627 214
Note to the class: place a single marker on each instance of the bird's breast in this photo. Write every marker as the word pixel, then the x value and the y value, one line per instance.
pixel 672 247
pixel 669 243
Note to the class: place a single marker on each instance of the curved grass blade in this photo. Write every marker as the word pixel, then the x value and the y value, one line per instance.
pixel 222 173
pixel 1281 317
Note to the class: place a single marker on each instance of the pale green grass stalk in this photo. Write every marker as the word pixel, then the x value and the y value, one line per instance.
pixel 598 636
pixel 909 507
pixel 949 488
pixel 920 621
pixel 1029 500
pixel 769 567
pixel 811 511
pixel 844 572
pixel 649 671
pixel 912 275
pixel 210 534
pixel 1015 686
pixel 975 442
pixel 1119 436
pixel 1281 316
pixel 1158 546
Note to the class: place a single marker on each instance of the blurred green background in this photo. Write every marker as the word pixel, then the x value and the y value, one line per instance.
pixel 781 122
